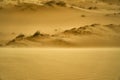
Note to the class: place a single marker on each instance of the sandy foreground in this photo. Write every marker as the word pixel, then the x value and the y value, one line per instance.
pixel 59 64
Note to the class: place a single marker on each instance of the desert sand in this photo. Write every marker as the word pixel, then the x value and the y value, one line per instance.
pixel 59 64
pixel 59 39
pixel 54 17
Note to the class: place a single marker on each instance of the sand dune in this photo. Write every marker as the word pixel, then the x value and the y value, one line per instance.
pixel 94 35
pixel 61 23
pixel 59 39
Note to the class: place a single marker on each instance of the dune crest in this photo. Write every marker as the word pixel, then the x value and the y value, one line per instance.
pixel 62 23
pixel 100 35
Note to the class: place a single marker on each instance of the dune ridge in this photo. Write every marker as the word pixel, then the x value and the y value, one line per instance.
pixel 84 4
pixel 85 36
pixel 60 23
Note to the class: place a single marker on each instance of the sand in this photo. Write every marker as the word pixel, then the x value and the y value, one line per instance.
pixel 59 64
pixel 52 40
pixel 54 19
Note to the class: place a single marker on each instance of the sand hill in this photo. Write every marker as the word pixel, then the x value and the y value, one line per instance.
pixel 61 23
pixel 94 35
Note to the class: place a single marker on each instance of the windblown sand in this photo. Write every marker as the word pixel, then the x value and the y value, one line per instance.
pixel 59 64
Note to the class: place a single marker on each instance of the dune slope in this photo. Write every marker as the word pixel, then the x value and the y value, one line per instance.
pixel 60 24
